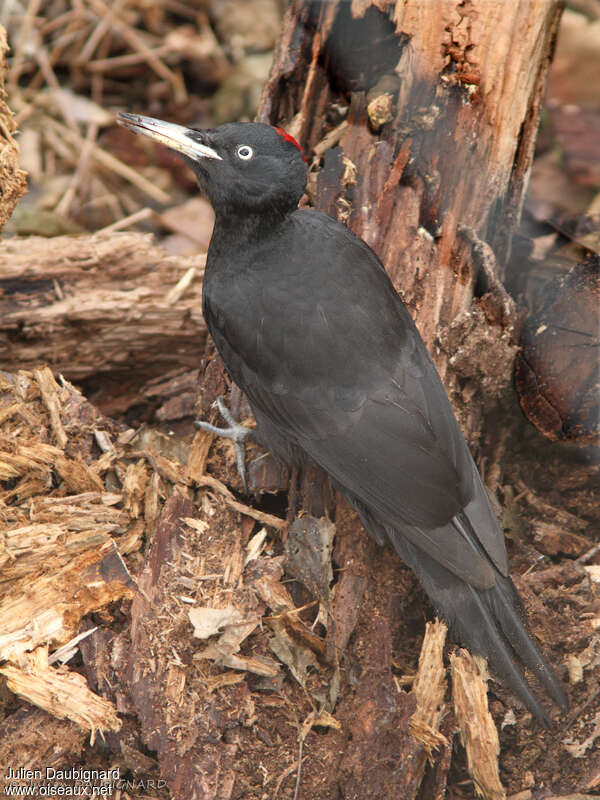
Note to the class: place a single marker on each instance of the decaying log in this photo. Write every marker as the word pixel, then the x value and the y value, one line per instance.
pixel 378 724
pixel 13 181
pixel 48 610
pixel 58 532
pixel 420 120
pixel 181 720
pixel 99 305
pixel 556 373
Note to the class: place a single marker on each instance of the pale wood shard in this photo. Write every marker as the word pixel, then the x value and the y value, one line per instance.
pixel 134 487
pixel 196 465
pixel 112 312
pixel 430 687
pixel 49 390
pixel 208 621
pixel 261 516
pixel 43 547
pixel 477 729
pixel 60 692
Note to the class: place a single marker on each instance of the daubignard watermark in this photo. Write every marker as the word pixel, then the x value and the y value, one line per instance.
pixel 71 782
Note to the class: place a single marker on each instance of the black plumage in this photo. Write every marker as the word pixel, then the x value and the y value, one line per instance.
pixel 312 330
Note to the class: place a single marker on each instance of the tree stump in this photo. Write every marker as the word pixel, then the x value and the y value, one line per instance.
pixel 421 119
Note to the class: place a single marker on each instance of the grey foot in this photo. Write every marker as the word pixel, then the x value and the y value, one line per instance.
pixel 236 432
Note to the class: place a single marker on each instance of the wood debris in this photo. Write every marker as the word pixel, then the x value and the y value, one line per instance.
pixel 12 179
pixel 477 729
pixel 429 688
pixel 109 308
pixel 60 692
pixel 77 492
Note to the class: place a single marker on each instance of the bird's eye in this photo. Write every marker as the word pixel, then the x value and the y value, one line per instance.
pixel 245 152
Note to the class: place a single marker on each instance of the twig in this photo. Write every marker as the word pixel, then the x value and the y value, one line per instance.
pixel 23 42
pixel 67 39
pixel 290 611
pixel 106 21
pixel 286 772
pixel 135 41
pixel 98 77
pixel 44 63
pixel 128 60
pixel 300 748
pixel 77 179
pixel 112 163
pixel 254 513
pixel 176 293
pixel 63 19
pixel 132 219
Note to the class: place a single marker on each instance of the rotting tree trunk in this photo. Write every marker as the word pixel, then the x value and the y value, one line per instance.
pixel 420 119
pixel 460 85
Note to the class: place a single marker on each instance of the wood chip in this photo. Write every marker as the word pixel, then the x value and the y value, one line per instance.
pixel 49 390
pixel 477 729
pixel 430 687
pixel 249 511
pixel 134 487
pixel 49 608
pixel 76 474
pixel 208 622
pixel 60 692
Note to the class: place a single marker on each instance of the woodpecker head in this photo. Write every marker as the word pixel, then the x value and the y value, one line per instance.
pixel 242 167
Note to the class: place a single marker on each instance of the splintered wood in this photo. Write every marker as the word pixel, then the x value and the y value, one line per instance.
pixel 58 552
pixel 62 693
pixel 429 688
pixel 477 729
pixel 77 492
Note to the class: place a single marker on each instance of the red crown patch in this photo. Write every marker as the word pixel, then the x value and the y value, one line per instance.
pixel 289 138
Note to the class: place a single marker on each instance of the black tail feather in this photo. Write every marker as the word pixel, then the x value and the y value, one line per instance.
pixel 507 609
pixel 488 622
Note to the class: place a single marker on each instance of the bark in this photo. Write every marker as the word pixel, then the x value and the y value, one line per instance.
pixel 556 372
pixel 443 171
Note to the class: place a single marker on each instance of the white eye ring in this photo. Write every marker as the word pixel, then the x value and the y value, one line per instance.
pixel 245 152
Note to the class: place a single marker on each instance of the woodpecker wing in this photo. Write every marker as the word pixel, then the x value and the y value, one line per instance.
pixel 331 361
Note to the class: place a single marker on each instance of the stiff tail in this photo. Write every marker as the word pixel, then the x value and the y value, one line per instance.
pixel 507 608
pixel 488 622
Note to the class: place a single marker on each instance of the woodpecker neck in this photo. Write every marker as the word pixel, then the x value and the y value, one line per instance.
pixel 234 231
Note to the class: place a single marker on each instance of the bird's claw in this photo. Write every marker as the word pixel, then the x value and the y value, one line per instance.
pixel 236 432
